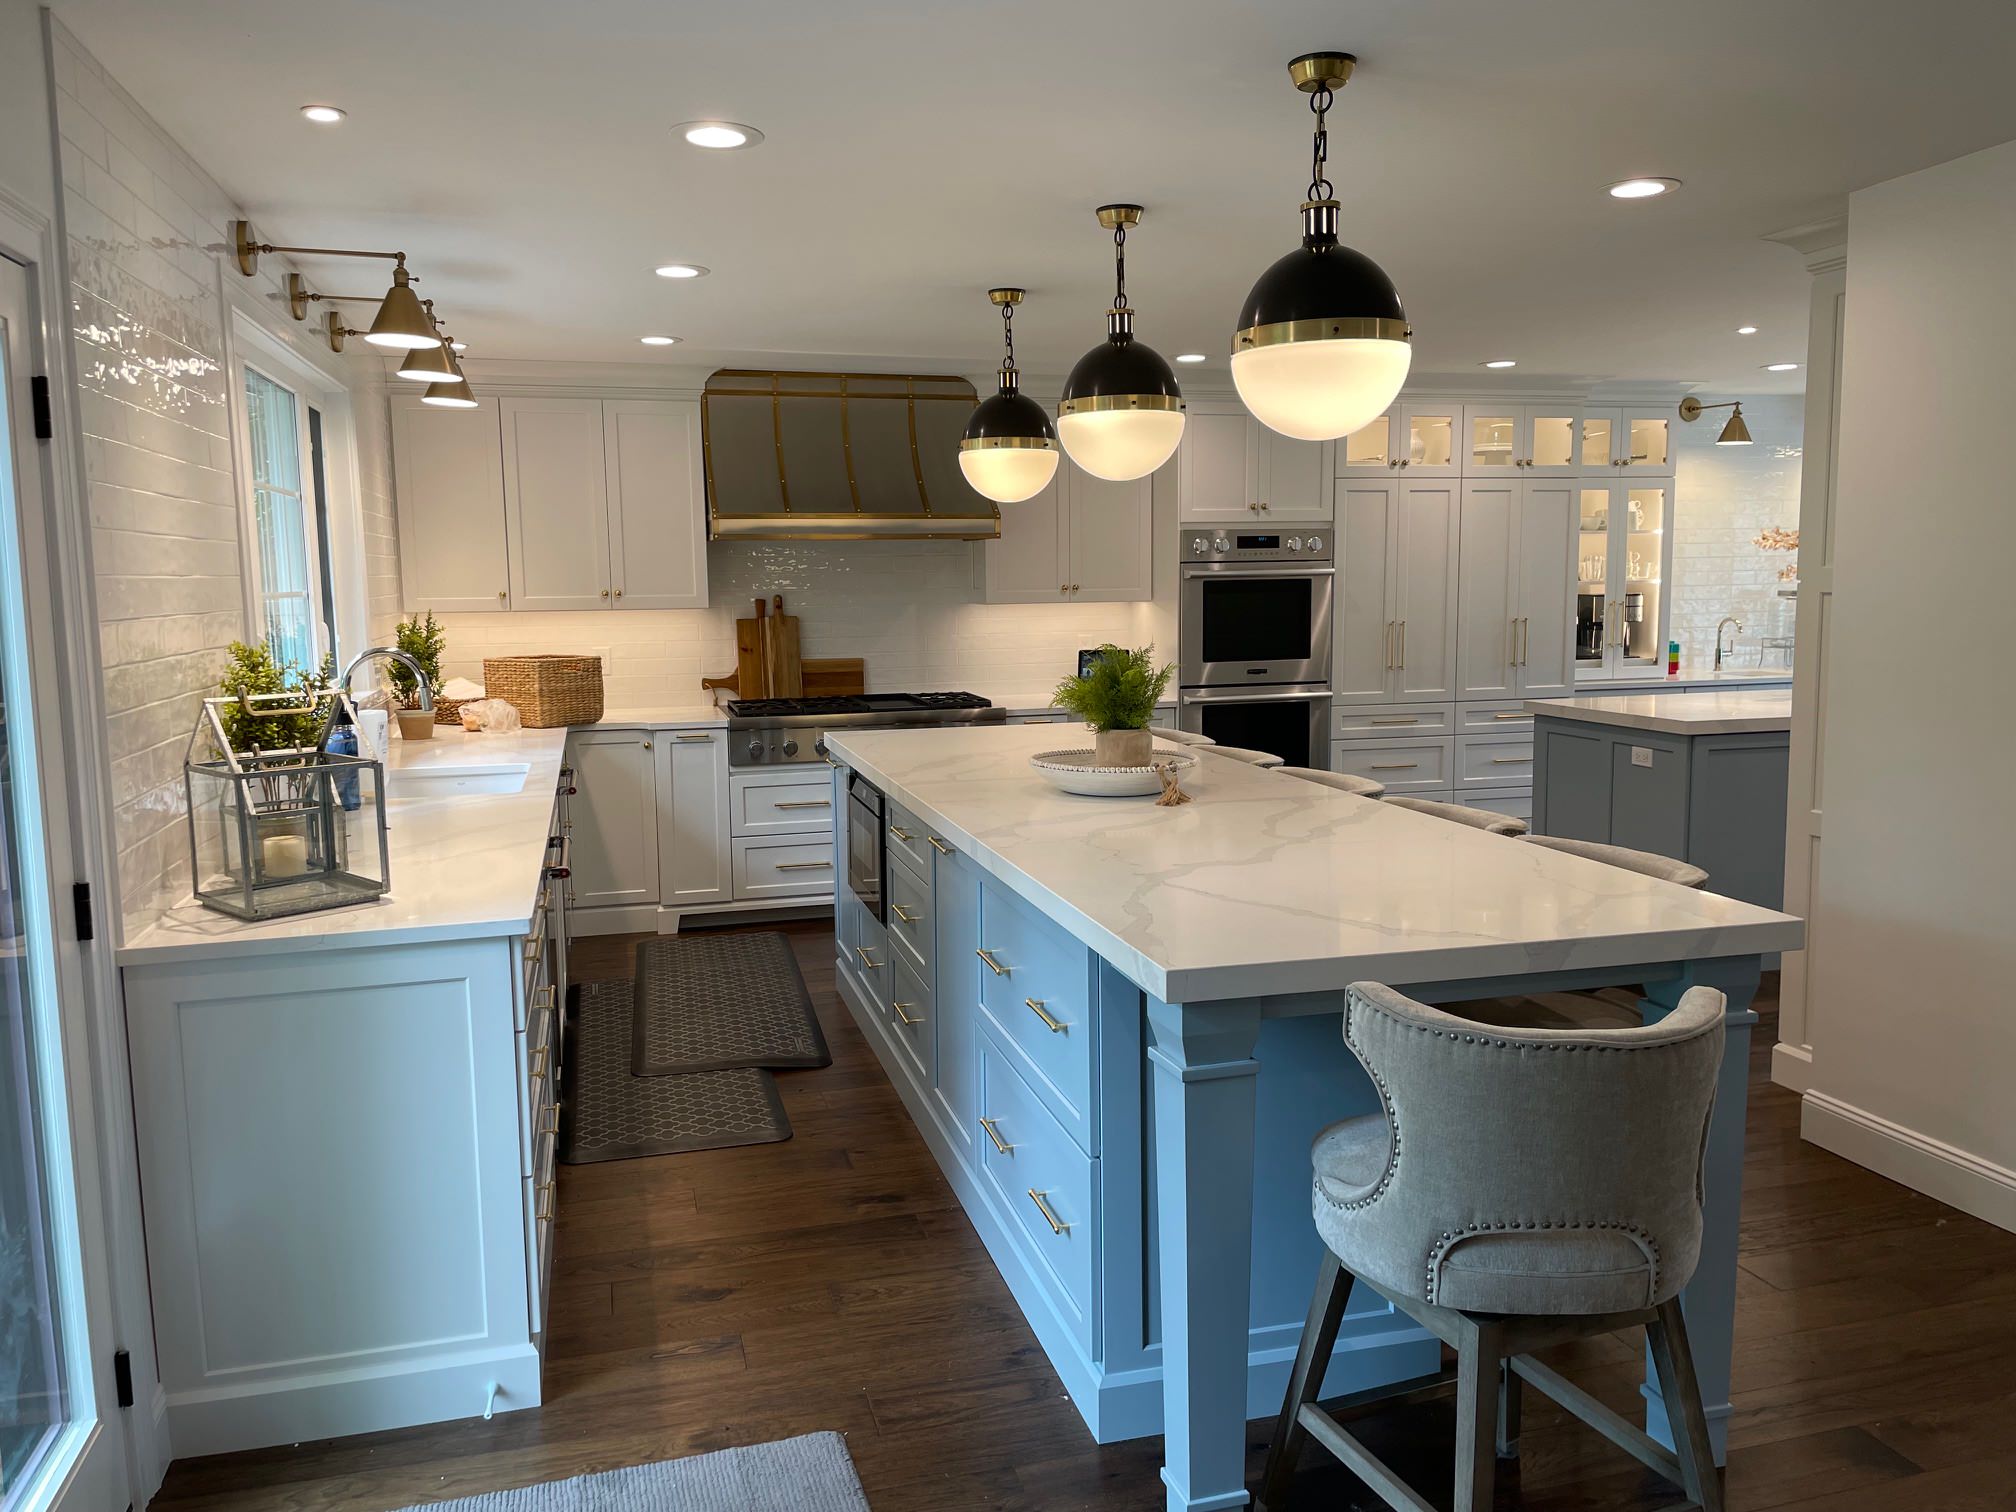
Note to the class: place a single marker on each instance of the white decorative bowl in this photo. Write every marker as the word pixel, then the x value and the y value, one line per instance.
pixel 1073 771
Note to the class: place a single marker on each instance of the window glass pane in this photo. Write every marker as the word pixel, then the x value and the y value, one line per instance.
pixel 287 590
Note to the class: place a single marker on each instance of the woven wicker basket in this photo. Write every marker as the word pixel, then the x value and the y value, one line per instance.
pixel 548 691
pixel 448 711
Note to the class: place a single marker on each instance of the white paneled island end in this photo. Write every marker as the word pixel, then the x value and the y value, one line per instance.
pixel 1117 1026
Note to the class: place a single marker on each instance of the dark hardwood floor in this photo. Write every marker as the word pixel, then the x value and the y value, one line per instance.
pixel 831 1282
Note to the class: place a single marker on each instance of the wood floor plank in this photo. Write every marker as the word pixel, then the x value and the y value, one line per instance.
pixel 831 1281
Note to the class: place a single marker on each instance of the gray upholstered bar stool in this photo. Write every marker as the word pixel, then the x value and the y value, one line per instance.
pixel 1251 758
pixel 1521 1188
pixel 1645 863
pixel 1476 818
pixel 1344 782
pixel 1180 737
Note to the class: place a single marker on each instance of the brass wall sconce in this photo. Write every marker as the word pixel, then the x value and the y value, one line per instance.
pixel 1735 433
pixel 401 323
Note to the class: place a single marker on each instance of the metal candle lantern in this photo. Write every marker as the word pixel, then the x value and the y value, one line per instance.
pixel 274 833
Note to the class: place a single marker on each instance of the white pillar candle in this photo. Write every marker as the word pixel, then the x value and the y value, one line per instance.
pixel 284 855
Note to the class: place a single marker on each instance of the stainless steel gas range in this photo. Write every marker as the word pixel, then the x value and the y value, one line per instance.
pixel 782 731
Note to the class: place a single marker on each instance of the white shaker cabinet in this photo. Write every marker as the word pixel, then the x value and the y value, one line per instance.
pixel 693 818
pixel 447 466
pixel 1394 618
pixel 1516 551
pixel 657 504
pixel 1632 438
pixel 614 814
pixel 1231 467
pixel 555 493
pixel 1081 540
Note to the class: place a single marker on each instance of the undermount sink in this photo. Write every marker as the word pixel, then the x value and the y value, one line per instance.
pixel 440 780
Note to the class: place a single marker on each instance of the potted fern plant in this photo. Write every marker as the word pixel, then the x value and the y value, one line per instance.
pixel 1117 697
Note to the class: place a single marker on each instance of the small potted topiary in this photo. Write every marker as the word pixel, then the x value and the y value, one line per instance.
pixel 1117 696
pixel 423 639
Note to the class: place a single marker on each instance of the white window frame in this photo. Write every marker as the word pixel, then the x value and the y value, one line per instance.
pixel 252 346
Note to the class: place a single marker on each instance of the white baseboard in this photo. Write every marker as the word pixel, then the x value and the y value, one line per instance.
pixel 1792 1066
pixel 1953 1176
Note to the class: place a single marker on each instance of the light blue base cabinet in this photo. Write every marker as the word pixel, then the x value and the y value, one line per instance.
pixel 1028 1084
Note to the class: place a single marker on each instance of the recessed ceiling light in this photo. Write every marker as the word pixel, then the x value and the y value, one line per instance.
pixel 1643 188
pixel 459 346
pixel 681 270
pixel 1190 357
pixel 659 340
pixel 1746 330
pixel 322 115
pixel 721 136
pixel 1502 362
pixel 1780 367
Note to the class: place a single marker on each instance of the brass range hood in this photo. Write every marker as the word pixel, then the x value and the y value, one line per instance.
pixel 798 456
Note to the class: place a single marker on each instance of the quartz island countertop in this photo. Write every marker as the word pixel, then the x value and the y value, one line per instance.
pixel 1267 884
pixel 1754 711
pixel 463 865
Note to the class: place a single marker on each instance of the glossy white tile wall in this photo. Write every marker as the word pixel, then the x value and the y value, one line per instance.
pixel 1726 495
pixel 911 609
pixel 149 316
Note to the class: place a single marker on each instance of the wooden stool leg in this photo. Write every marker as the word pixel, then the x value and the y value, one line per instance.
pixel 1674 1361
pixel 1319 1337
pixel 1477 1362
pixel 1509 1403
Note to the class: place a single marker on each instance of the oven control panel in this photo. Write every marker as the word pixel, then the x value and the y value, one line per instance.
pixel 1213 543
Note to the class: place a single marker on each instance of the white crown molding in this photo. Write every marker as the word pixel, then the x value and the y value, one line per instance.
pixel 1823 243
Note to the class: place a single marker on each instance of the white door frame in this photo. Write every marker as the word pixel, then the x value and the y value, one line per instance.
pixel 92 1465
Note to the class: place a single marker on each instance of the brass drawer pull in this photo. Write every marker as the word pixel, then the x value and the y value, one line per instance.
pixel 995 1135
pixel 1519 715
pixel 1410 719
pixel 1035 1006
pixel 692 737
pixel 804 866
pixel 1394 766
pixel 939 845
pixel 1510 760
pixel 798 803
pixel 537 1070
pixel 901 833
pixel 1048 1216
pixel 866 959
pixel 553 1128
pixel 908 1022
pixel 542 1000
pixel 543 1192
pixel 992 965
pixel 903 915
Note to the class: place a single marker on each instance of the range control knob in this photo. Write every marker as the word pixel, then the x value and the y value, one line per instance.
pixel 1199 543
pixel 1294 543
pixel 1315 543
pixel 790 747
pixel 755 750
pixel 1221 544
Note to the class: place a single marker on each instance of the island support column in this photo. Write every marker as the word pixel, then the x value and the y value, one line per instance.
pixel 1709 1302
pixel 1204 1083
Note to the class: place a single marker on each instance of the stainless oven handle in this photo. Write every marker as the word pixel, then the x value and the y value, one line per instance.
pixel 1321 695
pixel 1239 570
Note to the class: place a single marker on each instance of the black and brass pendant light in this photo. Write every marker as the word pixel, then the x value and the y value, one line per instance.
pixel 1323 344
pixel 1735 433
pixel 1009 451
pixel 1122 412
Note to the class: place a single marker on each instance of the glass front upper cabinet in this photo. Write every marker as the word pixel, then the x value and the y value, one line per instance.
pixel 1492 438
pixel 1628 439
pixel 1538 439
pixel 1371 448
pixel 1621 567
pixel 1418 439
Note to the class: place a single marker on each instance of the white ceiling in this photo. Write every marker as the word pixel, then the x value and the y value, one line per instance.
pixel 921 150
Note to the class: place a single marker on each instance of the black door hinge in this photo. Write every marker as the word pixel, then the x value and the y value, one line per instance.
pixel 122 1376
pixel 45 424
pixel 80 903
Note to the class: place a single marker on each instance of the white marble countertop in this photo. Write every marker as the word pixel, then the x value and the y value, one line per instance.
pixel 1751 711
pixel 1267 884
pixel 463 866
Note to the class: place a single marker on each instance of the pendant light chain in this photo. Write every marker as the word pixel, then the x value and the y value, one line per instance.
pixel 1008 369
pixel 1320 187
pixel 1120 266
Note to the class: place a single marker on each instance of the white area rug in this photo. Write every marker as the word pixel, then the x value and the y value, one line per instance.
pixel 809 1474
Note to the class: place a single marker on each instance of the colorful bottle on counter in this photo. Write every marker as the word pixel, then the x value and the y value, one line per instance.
pixel 1672 658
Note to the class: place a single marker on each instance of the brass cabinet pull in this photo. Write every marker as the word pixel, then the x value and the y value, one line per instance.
pixel 1396 720
pixel 903 914
pixel 1048 1217
pixel 1394 766
pixel 939 845
pixel 1510 760
pixel 692 737
pixel 538 1065
pixel 1387 647
pixel 798 803
pixel 543 1192
pixel 542 1000
pixel 908 1022
pixel 1400 661
pixel 1517 714
pixel 901 833
pixel 995 1134
pixel 553 1128
pixel 804 866
pixel 866 959
pixel 992 965
pixel 1035 1006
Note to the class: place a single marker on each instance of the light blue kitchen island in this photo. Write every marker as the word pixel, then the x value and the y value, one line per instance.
pixel 1117 1027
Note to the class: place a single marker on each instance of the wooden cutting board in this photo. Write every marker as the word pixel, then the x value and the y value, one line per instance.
pixel 784 672
pixel 835 677
pixel 750 679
